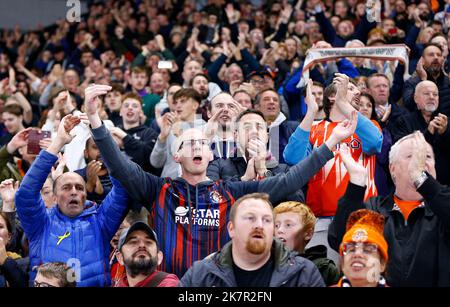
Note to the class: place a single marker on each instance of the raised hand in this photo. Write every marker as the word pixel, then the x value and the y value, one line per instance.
pixel 342 131
pixel 91 96
pixel 63 135
pixel 160 42
pixel 438 124
pixel 417 164
pixel 92 174
pixel 257 150
pixel 234 86
pixel 8 189
pixel 384 112
pixel 420 70
pixel 232 14
pixel 59 170
pixel 241 41
pixel 357 172
pixel 19 140
pixel 45 143
pixel 310 99
pixel 249 88
pixel 250 172
pixel 167 122
pixel 341 82
pixel 213 125
pixel 91 100
pixel 285 14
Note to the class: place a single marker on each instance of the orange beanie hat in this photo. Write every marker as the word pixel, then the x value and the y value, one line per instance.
pixel 366 226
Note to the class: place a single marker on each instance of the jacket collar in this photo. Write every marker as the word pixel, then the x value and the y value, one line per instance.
pixel 391 206
pixel 89 208
pixel 278 121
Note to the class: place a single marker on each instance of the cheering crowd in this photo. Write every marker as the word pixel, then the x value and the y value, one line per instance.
pixel 185 143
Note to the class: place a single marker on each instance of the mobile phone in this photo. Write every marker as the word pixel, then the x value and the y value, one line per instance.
pixel 165 65
pixel 34 136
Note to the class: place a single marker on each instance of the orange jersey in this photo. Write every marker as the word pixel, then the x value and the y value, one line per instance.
pixel 330 183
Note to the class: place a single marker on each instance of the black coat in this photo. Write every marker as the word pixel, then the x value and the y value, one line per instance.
pixel 419 249
pixel 413 121
pixel 13 273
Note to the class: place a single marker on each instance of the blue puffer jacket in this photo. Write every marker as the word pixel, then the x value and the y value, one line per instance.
pixel 87 246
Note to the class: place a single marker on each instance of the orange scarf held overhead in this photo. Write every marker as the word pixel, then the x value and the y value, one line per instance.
pixel 434 5
pixel 406 206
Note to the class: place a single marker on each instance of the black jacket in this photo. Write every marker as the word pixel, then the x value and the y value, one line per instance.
pixel 234 168
pixel 327 268
pixel 138 145
pixel 441 143
pixel 418 249
pixel 13 273
pixel 216 270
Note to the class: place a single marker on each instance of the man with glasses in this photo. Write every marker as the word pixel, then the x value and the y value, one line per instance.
pixel 191 212
pixel 417 214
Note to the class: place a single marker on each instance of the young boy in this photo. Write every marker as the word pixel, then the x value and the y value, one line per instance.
pixel 294 226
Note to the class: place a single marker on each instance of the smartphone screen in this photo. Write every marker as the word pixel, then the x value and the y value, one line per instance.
pixel 34 136
pixel 165 65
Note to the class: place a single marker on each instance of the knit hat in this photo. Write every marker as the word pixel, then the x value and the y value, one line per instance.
pixel 366 226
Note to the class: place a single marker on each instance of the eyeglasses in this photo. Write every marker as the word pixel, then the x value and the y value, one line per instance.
pixel 191 143
pixel 42 285
pixel 257 81
pixel 367 248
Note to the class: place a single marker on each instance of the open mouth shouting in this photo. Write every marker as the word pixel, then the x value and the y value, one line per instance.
pixel 74 203
pixel 197 159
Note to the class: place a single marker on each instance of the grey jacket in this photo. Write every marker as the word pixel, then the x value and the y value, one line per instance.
pixel 216 270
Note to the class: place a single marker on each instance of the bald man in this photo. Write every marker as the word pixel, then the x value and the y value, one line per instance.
pixel 75 231
pixel 432 124
pixel 191 212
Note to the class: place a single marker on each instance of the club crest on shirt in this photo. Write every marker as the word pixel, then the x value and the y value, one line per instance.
pixel 215 197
